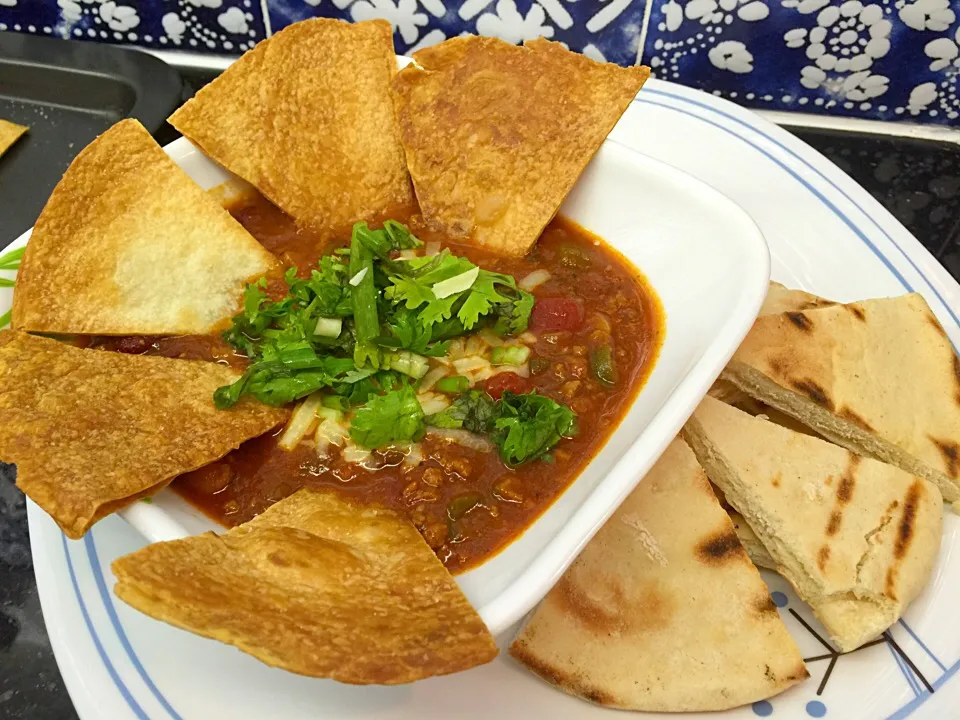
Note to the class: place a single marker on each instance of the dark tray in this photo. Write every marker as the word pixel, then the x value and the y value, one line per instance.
pixel 67 93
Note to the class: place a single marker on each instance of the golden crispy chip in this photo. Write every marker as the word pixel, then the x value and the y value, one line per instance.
pixel 128 244
pixel 318 586
pixel 9 134
pixel 307 117
pixel 663 611
pixel 496 135
pixel 91 431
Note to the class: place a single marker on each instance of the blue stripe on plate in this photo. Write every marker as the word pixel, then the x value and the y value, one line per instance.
pixel 137 710
pixel 906 709
pixel 832 184
pixel 923 647
pixel 904 670
pixel 115 621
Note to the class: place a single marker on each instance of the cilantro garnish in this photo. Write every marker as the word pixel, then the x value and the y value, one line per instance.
pixel 522 426
pixel 384 419
pixel 364 317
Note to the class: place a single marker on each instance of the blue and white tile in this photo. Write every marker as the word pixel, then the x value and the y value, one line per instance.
pixel 878 59
pixel 603 30
pixel 216 26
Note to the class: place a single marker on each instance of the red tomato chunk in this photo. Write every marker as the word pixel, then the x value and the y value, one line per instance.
pixel 506 382
pixel 556 314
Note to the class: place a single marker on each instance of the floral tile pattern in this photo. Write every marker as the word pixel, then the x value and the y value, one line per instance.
pixel 877 59
pixel 602 30
pixel 880 59
pixel 217 26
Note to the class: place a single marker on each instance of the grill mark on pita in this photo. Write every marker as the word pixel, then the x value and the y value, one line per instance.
pixel 823 555
pixel 764 605
pixel 908 518
pixel 951 454
pixel 845 489
pixel 555 676
pixel 956 377
pixel 776 480
pixel 848 414
pixel 890 585
pixel 813 391
pixel 721 548
pixel 857 311
pixel 800 320
pixel 833 525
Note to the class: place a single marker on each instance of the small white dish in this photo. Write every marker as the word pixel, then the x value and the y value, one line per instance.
pixel 709 264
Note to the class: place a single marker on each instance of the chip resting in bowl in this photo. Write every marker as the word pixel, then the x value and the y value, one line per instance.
pixel 496 135
pixel 128 244
pixel 307 118
pixel 318 586
pixel 91 431
pixel 663 611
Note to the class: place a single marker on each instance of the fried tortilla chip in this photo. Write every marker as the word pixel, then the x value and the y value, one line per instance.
pixel 496 135
pixel 663 611
pixel 91 431
pixel 9 134
pixel 128 244
pixel 318 586
pixel 855 537
pixel 307 117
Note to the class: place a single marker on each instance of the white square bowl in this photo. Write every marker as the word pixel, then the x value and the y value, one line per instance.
pixel 710 266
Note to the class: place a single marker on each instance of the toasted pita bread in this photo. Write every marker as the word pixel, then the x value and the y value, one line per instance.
pixel 663 611
pixel 9 134
pixel 128 244
pixel 857 538
pixel 496 135
pixel 91 431
pixel 317 586
pixel 307 117
pixel 780 299
pixel 878 377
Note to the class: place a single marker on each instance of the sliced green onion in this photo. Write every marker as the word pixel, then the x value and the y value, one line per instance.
pixel 456 284
pixel 509 355
pixel 329 327
pixel 11 260
pixel 454 385
pixel 6 283
pixel 408 363
pixel 5 319
pixel 358 278
pixel 329 413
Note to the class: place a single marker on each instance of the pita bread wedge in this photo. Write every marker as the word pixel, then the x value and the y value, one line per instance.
pixel 878 377
pixel 307 117
pixel 857 538
pixel 663 611
pixel 91 431
pixel 317 586
pixel 496 135
pixel 9 134
pixel 128 244
pixel 780 299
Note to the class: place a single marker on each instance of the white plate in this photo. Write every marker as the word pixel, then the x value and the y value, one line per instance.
pixel 826 235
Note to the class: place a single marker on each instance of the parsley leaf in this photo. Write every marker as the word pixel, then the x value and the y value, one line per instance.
pixel 524 427
pixel 384 419
pixel 529 425
pixel 473 410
